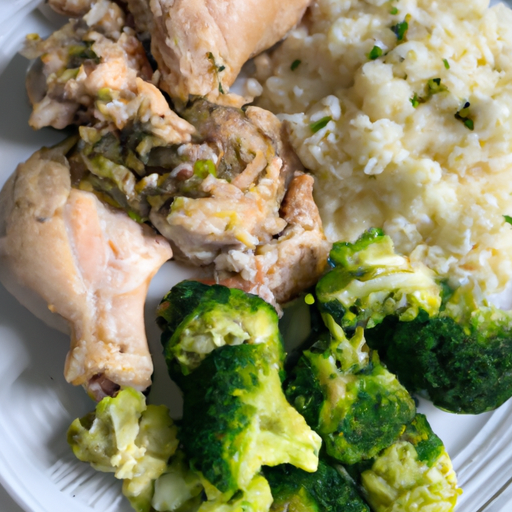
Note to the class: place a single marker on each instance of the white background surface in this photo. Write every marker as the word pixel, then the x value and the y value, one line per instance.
pixel 36 405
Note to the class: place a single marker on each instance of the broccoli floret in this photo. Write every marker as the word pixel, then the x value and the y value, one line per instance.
pixel 129 438
pixel 138 443
pixel 369 281
pixel 462 356
pixel 329 489
pixel 179 489
pixel 413 474
pixel 463 361
pixel 197 319
pixel 450 343
pixel 227 357
pixel 348 396
pixel 257 497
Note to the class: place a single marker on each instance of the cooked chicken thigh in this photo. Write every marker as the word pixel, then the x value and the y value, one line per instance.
pixel 219 198
pixel 94 71
pixel 282 268
pixel 201 45
pixel 234 205
pixel 90 263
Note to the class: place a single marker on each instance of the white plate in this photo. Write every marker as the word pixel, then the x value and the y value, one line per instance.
pixel 37 405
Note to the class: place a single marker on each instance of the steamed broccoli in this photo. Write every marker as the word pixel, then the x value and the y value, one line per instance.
pixel 369 281
pixel 415 473
pixel 451 343
pixel 129 438
pixel 348 396
pixel 138 443
pixel 330 489
pixel 198 318
pixel 462 357
pixel 181 489
pixel 224 350
pixel 256 497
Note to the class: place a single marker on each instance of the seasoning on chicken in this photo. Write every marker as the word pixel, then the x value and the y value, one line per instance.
pixel 219 198
pixel 282 268
pixel 96 72
pixel 90 263
pixel 201 45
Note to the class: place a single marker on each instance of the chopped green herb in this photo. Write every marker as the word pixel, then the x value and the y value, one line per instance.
pixel 80 52
pixel 463 116
pixel 400 29
pixel 135 216
pixel 446 63
pixel 105 94
pixel 216 69
pixel 211 58
pixel 321 123
pixel 508 218
pixel 68 74
pixel 295 64
pixel 375 53
pixel 394 11
pixel 464 112
pixel 434 86
pixel 202 168
pixel 468 123
pixel 416 100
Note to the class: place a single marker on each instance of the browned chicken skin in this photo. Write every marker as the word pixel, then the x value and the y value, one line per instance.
pixel 91 264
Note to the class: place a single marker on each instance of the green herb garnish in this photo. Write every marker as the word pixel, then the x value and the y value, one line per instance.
pixel 400 29
pixel 434 86
pixel 416 100
pixel 463 116
pixel 295 64
pixel 321 123
pixel 216 69
pixel 468 123
pixel 508 219
pixel 375 53
pixel 394 11
pixel 446 63
pixel 202 168
pixel 135 216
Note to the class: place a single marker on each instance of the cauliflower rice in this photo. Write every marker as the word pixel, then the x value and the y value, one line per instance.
pixel 392 140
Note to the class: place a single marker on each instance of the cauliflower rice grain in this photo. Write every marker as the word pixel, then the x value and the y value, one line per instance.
pixel 418 140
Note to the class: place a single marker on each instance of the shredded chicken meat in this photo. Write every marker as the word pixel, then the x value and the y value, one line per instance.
pixel 90 263
pixel 96 73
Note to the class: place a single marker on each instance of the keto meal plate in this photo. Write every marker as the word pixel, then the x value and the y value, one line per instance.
pixel 37 405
